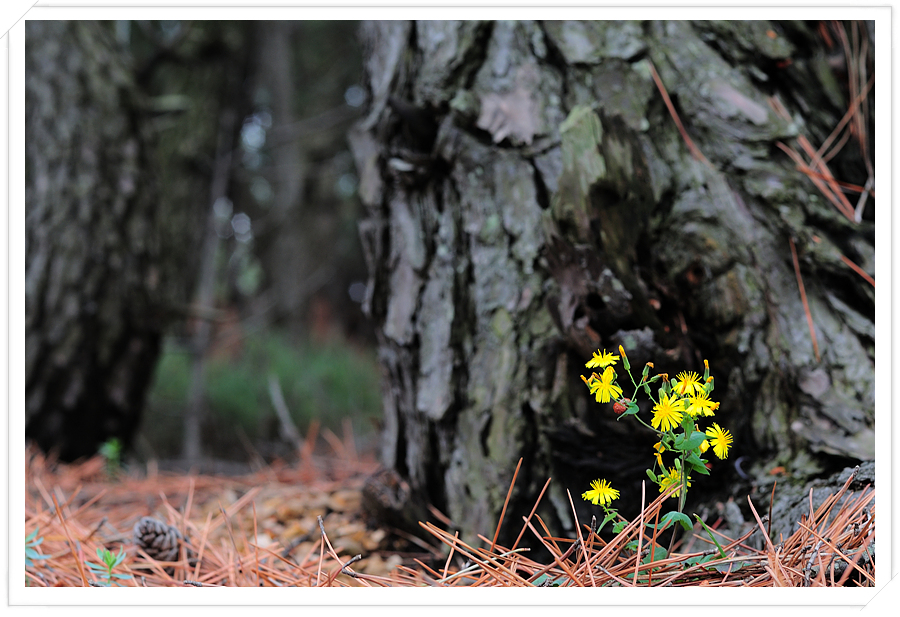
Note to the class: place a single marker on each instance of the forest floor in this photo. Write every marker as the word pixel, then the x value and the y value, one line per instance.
pixel 302 525
pixel 282 525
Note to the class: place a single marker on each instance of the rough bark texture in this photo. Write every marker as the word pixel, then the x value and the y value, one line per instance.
pixel 530 200
pixel 120 141
pixel 92 242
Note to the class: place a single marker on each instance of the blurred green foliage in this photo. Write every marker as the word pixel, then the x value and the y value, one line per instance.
pixel 327 381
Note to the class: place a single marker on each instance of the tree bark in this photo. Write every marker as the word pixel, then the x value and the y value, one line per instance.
pixel 120 140
pixel 93 245
pixel 530 200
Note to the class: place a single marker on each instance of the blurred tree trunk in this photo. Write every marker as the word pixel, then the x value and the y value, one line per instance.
pixel 92 224
pixel 122 120
pixel 530 200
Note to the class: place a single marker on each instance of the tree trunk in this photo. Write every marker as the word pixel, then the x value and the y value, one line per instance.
pixel 92 225
pixel 530 200
pixel 119 159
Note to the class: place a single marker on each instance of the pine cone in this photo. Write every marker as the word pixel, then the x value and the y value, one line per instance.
pixel 158 539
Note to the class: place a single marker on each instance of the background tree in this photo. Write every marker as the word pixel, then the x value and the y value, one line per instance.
pixel 299 178
pixel 116 196
pixel 247 204
pixel 530 200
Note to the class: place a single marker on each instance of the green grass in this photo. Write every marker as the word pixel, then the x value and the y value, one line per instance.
pixel 327 382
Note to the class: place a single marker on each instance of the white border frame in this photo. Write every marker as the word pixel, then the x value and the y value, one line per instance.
pixel 204 9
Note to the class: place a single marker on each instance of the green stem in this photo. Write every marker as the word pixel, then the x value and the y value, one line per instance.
pixel 682 497
pixel 711 537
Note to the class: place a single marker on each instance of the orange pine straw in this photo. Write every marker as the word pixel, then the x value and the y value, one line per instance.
pixel 817 170
pixel 450 556
pixel 820 181
pixel 851 113
pixel 533 510
pixel 695 151
pixel 65 527
pixel 859 271
pixel 581 540
pixel 819 164
pixel 505 503
pixel 856 67
pixel 779 575
pixel 847 186
pixel 809 320
pixel 584 559
pixel 255 547
pixel 203 539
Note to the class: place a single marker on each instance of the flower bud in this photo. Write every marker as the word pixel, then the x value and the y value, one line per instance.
pixel 625 361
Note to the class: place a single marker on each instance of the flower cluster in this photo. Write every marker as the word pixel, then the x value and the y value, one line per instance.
pixel 679 404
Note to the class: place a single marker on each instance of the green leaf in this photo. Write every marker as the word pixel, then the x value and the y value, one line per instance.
pixel 700 559
pixel 734 566
pixel 655 554
pixel 687 423
pixel 619 526
pixel 673 517
pixel 118 558
pixel 631 409
pixel 538 582
pixel 606 519
pixel 693 441
pixel 31 536
pixel 697 464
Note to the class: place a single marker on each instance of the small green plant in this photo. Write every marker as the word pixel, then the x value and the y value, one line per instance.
pixel 111 451
pixel 105 569
pixel 32 541
pixel 678 406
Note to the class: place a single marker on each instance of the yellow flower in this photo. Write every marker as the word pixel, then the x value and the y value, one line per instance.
pixel 602 359
pixel 704 446
pixel 700 405
pixel 667 412
pixel 601 493
pixel 672 478
pixel 604 387
pixel 720 440
pixel 687 383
